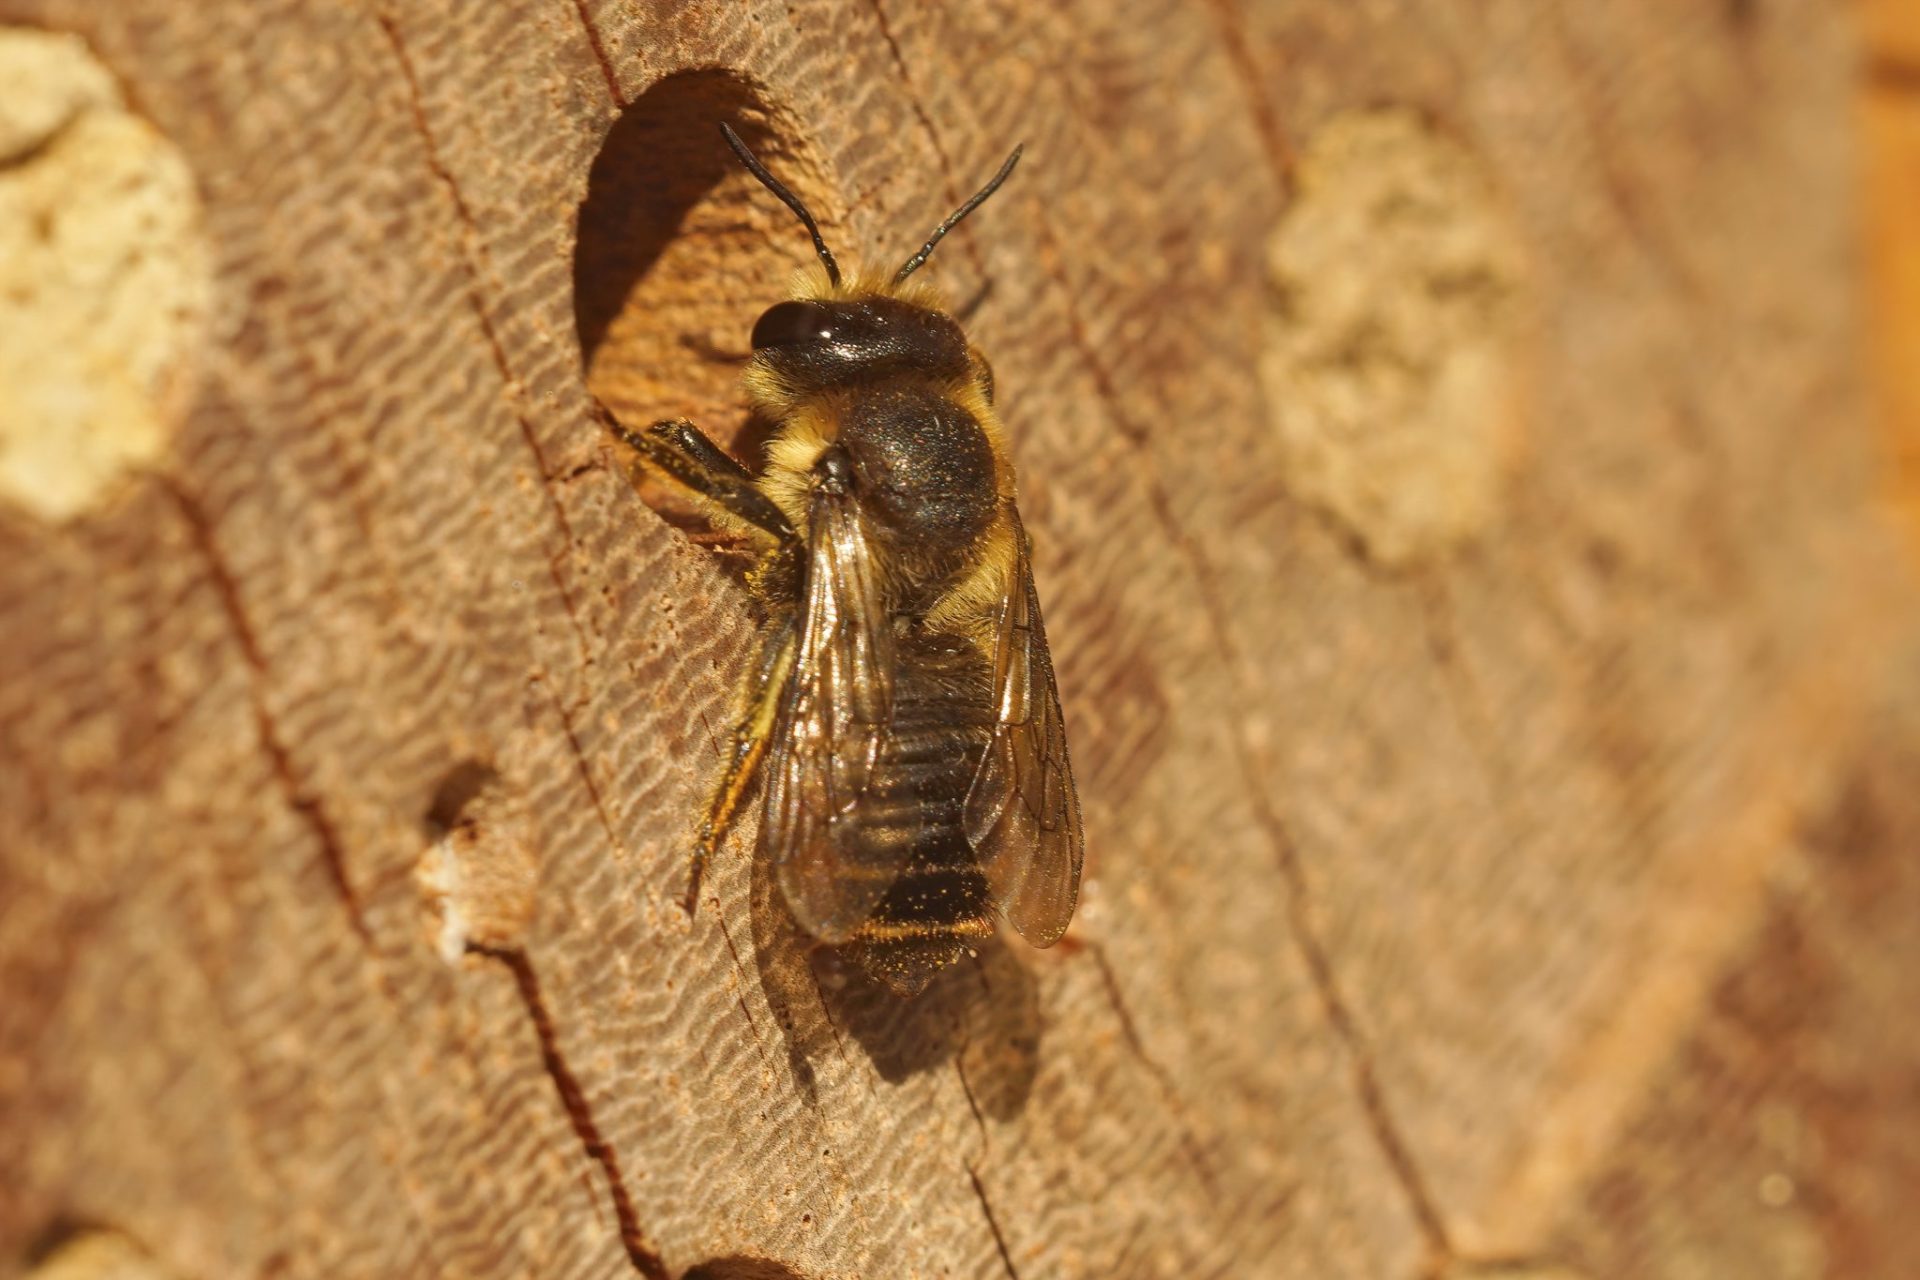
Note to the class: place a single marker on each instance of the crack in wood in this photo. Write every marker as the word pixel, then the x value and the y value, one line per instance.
pixel 471 251
pixel 1339 1015
pixel 739 994
pixel 1654 245
pixel 1130 1032
pixel 1472 1267
pixel 299 798
pixel 580 763
pixel 993 1225
pixel 1457 681
pixel 597 43
pixel 960 1069
pixel 579 1112
pixel 1280 152
pixel 1319 968
pixel 833 1025
pixel 925 117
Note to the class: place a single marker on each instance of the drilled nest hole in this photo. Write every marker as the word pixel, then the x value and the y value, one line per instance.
pixel 741 1268
pixel 680 250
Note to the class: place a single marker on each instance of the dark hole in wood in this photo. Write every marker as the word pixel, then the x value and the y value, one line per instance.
pixel 455 792
pixel 740 1267
pixel 679 250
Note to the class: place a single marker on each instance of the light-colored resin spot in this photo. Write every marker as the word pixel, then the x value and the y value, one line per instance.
pixel 1388 366
pixel 104 279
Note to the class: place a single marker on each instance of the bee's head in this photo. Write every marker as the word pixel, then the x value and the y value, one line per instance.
pixel 835 332
pixel 807 345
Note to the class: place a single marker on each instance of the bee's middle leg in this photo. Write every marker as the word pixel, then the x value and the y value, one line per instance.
pixel 680 451
pixel 747 749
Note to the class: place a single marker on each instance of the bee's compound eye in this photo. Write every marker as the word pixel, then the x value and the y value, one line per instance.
pixel 788 324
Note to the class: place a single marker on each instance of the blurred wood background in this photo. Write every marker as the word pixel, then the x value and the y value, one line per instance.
pixel 1448 437
pixel 1890 122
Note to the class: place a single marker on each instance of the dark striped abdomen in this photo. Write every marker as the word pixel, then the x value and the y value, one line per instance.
pixel 939 906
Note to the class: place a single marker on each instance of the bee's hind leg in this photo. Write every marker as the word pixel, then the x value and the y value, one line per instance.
pixel 679 451
pixel 748 747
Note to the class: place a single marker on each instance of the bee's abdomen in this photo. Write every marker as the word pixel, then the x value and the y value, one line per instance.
pixel 938 905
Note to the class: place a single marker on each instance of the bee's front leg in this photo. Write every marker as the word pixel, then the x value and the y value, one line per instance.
pixel 679 451
pixel 761 704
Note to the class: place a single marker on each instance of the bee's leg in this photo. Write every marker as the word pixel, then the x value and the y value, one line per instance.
pixel 749 746
pixel 693 442
pixel 678 450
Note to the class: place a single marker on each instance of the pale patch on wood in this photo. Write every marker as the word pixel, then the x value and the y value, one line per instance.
pixel 480 879
pixel 97 1255
pixel 104 279
pixel 1387 365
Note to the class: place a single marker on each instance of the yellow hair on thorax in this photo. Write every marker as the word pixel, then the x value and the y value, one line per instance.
pixel 805 432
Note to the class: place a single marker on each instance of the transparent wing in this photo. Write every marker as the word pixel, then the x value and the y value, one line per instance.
pixel 1022 813
pixel 831 732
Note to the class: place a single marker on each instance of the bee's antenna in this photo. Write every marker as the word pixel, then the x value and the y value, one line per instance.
pixel 913 264
pixel 792 201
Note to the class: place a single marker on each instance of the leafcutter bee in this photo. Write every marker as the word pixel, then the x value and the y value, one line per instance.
pixel 902 715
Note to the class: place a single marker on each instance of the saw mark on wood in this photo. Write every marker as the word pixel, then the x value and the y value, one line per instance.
pixel 299 798
pixel 993 1225
pixel 579 1112
pixel 1339 1017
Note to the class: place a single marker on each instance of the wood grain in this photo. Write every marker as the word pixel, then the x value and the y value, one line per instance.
pixel 1432 913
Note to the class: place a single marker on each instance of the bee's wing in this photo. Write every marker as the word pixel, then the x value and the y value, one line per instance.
pixel 832 731
pixel 1022 813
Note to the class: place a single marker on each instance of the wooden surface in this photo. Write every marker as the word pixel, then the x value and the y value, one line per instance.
pixel 1536 902
pixel 1890 128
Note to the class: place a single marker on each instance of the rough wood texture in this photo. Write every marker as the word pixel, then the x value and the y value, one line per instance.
pixel 1537 905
